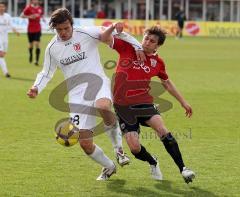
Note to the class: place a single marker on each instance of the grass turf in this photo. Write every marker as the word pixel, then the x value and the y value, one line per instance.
pixel 205 70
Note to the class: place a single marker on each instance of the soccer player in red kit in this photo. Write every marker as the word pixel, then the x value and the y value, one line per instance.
pixel 34 13
pixel 134 105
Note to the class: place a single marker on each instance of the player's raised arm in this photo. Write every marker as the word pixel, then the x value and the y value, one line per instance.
pixel 107 35
pixel 116 29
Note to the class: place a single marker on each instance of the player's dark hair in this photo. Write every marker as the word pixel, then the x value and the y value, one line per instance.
pixel 60 16
pixel 156 30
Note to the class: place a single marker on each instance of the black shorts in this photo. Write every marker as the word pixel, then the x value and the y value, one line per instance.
pixel 131 117
pixel 181 24
pixel 34 36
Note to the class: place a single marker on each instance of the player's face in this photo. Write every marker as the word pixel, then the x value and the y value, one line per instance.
pixel 2 8
pixel 64 30
pixel 150 43
pixel 34 2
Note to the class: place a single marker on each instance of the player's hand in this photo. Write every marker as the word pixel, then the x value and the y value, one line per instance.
pixel 118 26
pixel 141 57
pixel 188 109
pixel 33 16
pixel 32 92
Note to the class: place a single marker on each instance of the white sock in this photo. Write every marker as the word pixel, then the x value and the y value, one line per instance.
pixel 99 156
pixel 115 135
pixel 3 66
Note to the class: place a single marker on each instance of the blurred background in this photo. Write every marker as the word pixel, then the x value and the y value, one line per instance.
pixel 199 10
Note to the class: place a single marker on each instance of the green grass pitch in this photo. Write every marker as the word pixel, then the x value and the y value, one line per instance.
pixel 205 70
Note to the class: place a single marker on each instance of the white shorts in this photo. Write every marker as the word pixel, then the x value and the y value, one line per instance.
pixel 81 108
pixel 3 45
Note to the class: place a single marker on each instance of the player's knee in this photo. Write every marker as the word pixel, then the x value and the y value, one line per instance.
pixel 135 147
pixel 104 104
pixel 87 146
pixel 104 107
pixel 162 131
pixel 2 54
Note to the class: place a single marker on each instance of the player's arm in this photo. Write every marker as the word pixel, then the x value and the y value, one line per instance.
pixel 15 31
pixel 49 67
pixel 26 14
pixel 12 27
pixel 107 35
pixel 116 29
pixel 32 16
pixel 171 88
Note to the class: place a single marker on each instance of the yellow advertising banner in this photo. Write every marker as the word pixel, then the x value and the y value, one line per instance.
pixel 191 28
pixel 215 29
pixel 136 27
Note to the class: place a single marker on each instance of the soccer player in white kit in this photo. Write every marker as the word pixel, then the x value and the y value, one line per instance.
pixel 5 26
pixel 75 52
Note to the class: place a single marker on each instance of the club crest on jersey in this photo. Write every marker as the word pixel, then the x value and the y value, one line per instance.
pixel 153 62
pixel 77 47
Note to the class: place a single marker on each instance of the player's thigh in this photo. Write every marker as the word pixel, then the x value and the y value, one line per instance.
pixel 103 101
pixel 30 37
pixel 82 112
pixel 103 104
pixel 104 94
pixel 156 122
pixel 37 38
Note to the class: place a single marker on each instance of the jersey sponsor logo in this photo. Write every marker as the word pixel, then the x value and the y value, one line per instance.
pixel 74 58
pixel 77 47
pixel 153 62
pixel 136 64
pixel 139 65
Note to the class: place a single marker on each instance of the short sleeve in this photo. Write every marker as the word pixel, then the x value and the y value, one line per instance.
pixel 26 11
pixel 162 74
pixel 118 45
pixel 93 32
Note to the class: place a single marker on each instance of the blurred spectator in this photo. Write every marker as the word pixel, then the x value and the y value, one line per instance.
pixel 127 14
pixel 181 17
pixel 101 14
pixel 91 13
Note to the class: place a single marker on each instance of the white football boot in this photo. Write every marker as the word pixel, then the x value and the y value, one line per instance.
pixel 188 175
pixel 155 171
pixel 107 173
pixel 122 158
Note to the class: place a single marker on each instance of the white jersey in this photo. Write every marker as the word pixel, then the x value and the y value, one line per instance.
pixel 5 26
pixel 75 56
pixel 79 60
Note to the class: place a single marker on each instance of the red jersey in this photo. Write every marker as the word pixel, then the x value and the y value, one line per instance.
pixel 33 24
pixel 132 78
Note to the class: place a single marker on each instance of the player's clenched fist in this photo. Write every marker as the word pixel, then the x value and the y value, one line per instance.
pixel 118 26
pixel 32 92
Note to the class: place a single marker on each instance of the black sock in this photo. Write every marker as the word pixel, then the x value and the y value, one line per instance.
pixel 172 148
pixel 30 54
pixel 145 156
pixel 37 54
